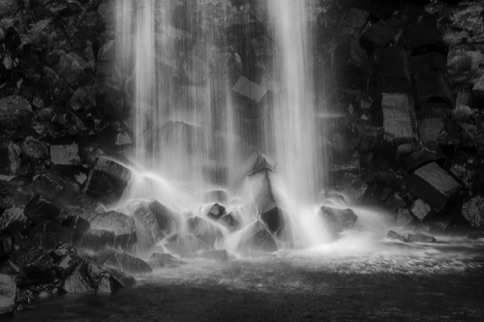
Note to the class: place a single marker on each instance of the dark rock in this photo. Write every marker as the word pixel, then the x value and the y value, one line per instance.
pixel 78 281
pixel 216 255
pixel 15 114
pixel 55 187
pixel 230 221
pixel 9 268
pixel 39 209
pixel 435 109
pixel 6 246
pixel 8 291
pixel 107 181
pixel 420 209
pixel 101 279
pixel 432 86
pixel 34 148
pixel 394 202
pixel 423 39
pixel 247 88
pixel 404 217
pixel 395 236
pixel 216 212
pixel 163 260
pixel 391 70
pixel 30 254
pixel 433 184
pixel 96 239
pixel 274 220
pixel 422 154
pixel 49 234
pixel 399 121
pixel 123 279
pixel 430 129
pixel 73 69
pixel 378 35
pixel 473 211
pixel 155 219
pixel 338 220
pixel 65 155
pixel 123 227
pixel 123 261
pixel 420 238
pixel 78 224
pixel 257 238
pixel 430 62
pixel 13 221
pixel 9 157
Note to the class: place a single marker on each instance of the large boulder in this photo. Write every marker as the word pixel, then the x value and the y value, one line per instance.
pixel 56 187
pixel 125 262
pixel 399 120
pixel 49 234
pixel 107 181
pixel 123 227
pixel 13 220
pixel 8 290
pixel 204 230
pixel 15 114
pixel 97 239
pixel 338 220
pixel 256 237
pixel 187 245
pixel 473 211
pixel 39 209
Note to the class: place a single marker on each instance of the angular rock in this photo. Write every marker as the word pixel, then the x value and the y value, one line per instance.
pixel 187 245
pixel 420 238
pixel 55 187
pixel 6 246
pixel 15 114
pixel 398 116
pixel 395 202
pixel 8 290
pixel 156 220
pixel 257 238
pixel 420 209
pixel 435 109
pixel 395 236
pixel 378 35
pixel 9 157
pixel 97 239
pixel 34 148
pixel 431 87
pixel 123 227
pixel 123 261
pixel 49 235
pixel 473 211
pixel 230 221
pixel 404 217
pixel 430 129
pixel 433 184
pixel 158 260
pixel 13 221
pixel 39 209
pixel 216 212
pixel 204 230
pixel 65 155
pixel 78 224
pixel 274 220
pixel 73 69
pixel 248 88
pixel 429 62
pixel 78 281
pixel 338 220
pixel 423 39
pixel 122 279
pixel 107 181
pixel 391 70
pixel 101 279
pixel 422 154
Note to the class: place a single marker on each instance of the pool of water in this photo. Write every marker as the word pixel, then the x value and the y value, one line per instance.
pixel 392 281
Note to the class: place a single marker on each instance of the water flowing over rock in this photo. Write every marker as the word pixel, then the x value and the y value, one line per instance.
pixel 257 238
pixel 338 220
pixel 123 261
pixel 123 227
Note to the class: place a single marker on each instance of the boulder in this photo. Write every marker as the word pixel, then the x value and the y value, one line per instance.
pixel 338 220
pixel 39 209
pixel 230 221
pixel 429 62
pixel 422 154
pixel 256 237
pixel 97 239
pixel 420 238
pixel 13 221
pixel 216 212
pixel 9 157
pixel 6 246
pixel 73 69
pixel 156 220
pixel 187 245
pixel 123 227
pixel 204 230
pixel 55 187
pixel 433 86
pixel 127 263
pixel 399 121
pixel 78 281
pixel 420 209
pixel 34 149
pixel 391 70
pixel 8 291
pixel 430 129
pixel 473 211
pixel 395 236
pixel 107 181
pixel 15 114
pixel 404 217
pixel 49 234
pixel 78 224
pixel 378 35
pixel 158 260
pixel 248 88
pixel 274 220
pixel 65 155
pixel 423 38
pixel 433 184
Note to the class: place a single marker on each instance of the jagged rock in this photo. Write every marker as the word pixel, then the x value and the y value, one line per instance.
pixel 404 217
pixel 274 220
pixel 395 236
pixel 83 99
pixel 78 281
pixel 101 279
pixel 204 230
pixel 423 39
pixel 155 219
pixel 432 86
pixel 6 246
pixel 378 35
pixel 433 184
pixel 123 261
pixel 394 202
pixel 65 155
pixel 8 290
pixel 216 255
pixel 158 260
pixel 72 68
pixel 420 238
pixel 39 209
pixel 430 129
pixel 96 239
pixel 420 209
pixel 338 220
pixel 123 227
pixel 430 62
pixel 216 212
pixel 9 157
pixel 257 238
pixel 122 279
pixel 352 185
pixel 55 187
pixel 78 224
pixel 422 154
pixel 15 114
pixel 473 211
pixel 230 221
pixel 391 70
pixel 49 234
pixel 34 148
pixel 107 181
pixel 13 220
pixel 398 116
pixel 247 88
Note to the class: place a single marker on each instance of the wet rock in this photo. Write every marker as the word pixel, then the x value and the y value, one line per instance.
pixel 422 39
pixel 55 187
pixel 156 220
pixel 420 209
pixel 29 253
pixel 473 211
pixel 9 268
pixel 101 279
pixel 121 278
pixel 422 154
pixel 72 69
pixel 378 35
pixel 34 148
pixel 13 221
pixel 352 185
pixel 274 220
pixel 107 181
pixel 216 255
pixel 391 70
pixel 429 62
pixel 78 224
pixel 123 261
pixel 247 88
pixel 15 114
pixel 404 217
pixel 432 86
pixel 257 238
pixel 65 155
pixel 83 99
pixel 6 246
pixel 96 239
pixel 395 236
pixel 216 212
pixel 123 227
pixel 49 234
pixel 187 245
pixel 398 116
pixel 158 260
pixel 430 129
pixel 9 157
pixel 39 209
pixel 433 184
pixel 420 238
pixel 338 220
pixel 394 202
pixel 8 290
pixel 78 281
pixel 204 230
